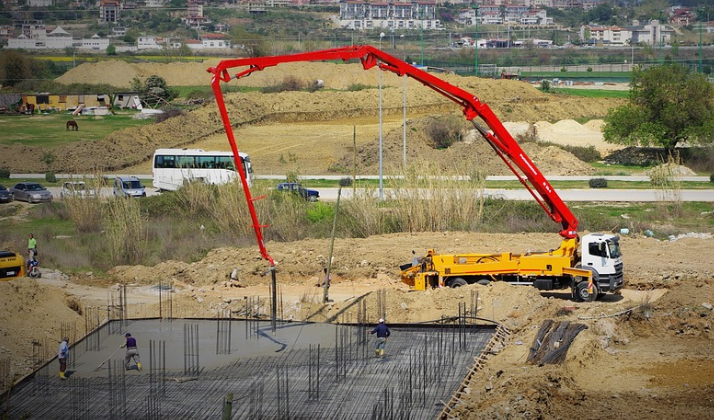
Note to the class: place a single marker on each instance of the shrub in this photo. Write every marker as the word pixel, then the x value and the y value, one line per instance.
pixel 288 84
pixel 590 69
pixel 4 173
pixel 586 154
pixel 563 70
pixel 444 131
pixel 545 85
pixel 598 183
pixel 711 178
pixel 168 113
pixel 356 87
pixel 50 177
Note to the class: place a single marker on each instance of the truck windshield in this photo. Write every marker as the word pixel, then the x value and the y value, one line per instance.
pixel 614 247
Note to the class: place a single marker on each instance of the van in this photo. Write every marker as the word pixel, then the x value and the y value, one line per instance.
pixel 128 186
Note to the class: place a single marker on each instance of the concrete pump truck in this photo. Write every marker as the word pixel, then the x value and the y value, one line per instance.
pixel 589 266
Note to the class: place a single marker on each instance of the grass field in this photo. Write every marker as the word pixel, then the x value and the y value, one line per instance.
pixel 49 130
pixel 592 93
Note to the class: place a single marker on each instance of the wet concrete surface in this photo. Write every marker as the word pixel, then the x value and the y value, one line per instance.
pixel 300 370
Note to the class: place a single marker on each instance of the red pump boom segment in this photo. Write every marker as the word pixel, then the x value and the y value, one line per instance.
pixel 498 137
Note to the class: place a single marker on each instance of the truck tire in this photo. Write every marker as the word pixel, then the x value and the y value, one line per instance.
pixel 582 294
pixel 457 282
pixel 484 282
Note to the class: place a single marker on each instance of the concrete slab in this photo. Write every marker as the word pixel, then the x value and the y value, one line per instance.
pixel 300 370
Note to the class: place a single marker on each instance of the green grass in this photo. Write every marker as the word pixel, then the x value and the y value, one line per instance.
pixel 592 93
pixel 577 74
pixel 49 131
pixel 206 91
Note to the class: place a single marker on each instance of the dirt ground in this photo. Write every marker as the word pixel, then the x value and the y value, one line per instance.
pixel 645 353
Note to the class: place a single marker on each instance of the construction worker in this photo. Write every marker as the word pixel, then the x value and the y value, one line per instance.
pixel 31 250
pixel 62 356
pixel 132 352
pixel 382 334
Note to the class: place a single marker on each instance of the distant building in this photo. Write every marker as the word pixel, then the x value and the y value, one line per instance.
pixel 109 11
pixel 652 33
pixel 57 39
pixel 389 15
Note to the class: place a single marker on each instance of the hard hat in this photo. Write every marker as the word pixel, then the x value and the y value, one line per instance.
pixel 127 335
pixel 381 321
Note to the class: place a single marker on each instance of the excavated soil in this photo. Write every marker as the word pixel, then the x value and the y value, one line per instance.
pixel 645 353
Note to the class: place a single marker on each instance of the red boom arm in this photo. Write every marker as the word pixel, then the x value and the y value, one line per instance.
pixel 498 137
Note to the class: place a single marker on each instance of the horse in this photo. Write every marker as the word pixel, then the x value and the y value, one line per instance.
pixel 72 125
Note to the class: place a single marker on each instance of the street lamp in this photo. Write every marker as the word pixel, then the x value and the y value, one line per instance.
pixel 701 15
pixel 661 38
pixel 381 180
pixel 422 36
pixel 475 7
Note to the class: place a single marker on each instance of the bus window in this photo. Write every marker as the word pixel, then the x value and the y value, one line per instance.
pixel 225 162
pixel 205 162
pixel 185 162
pixel 165 162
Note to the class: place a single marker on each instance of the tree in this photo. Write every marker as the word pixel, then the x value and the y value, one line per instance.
pixel 667 104
pixel 252 44
pixel 111 49
pixel 153 90
pixel 14 68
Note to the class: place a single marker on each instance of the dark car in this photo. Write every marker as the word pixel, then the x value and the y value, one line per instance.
pixel 32 192
pixel 5 195
pixel 294 187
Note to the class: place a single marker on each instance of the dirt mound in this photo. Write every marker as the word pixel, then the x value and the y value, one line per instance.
pixel 33 318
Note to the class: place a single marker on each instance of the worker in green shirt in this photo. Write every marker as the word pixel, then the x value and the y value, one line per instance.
pixel 31 249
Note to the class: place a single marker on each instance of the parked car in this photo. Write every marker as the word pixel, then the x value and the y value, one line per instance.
pixel 5 195
pixel 32 192
pixel 75 189
pixel 128 186
pixel 294 187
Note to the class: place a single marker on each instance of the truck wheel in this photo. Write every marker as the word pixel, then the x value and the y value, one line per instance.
pixel 457 282
pixel 484 282
pixel 312 199
pixel 582 294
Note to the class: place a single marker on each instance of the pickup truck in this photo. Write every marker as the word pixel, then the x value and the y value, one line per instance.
pixel 296 188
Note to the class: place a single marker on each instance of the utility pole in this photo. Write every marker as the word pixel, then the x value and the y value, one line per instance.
pixel 661 38
pixel 475 7
pixel 422 35
pixel 701 16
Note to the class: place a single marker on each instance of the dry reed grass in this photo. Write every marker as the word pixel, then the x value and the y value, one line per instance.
pixel 126 231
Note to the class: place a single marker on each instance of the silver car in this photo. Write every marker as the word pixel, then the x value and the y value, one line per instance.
pixel 32 192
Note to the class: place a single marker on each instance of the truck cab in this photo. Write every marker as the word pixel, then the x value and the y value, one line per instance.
pixel 600 253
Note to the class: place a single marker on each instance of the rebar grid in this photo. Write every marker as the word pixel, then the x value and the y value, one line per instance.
pixel 316 371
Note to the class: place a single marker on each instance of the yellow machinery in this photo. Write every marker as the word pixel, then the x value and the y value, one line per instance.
pixel 12 265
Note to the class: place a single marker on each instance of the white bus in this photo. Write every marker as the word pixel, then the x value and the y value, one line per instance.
pixel 174 167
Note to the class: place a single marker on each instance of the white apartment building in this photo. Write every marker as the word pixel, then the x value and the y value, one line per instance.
pixel 652 33
pixel 361 15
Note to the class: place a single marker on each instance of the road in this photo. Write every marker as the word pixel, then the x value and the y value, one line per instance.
pixel 569 195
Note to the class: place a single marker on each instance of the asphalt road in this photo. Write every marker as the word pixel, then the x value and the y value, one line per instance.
pixel 568 195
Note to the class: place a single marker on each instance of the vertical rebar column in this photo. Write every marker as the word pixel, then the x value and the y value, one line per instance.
pixel 474 303
pixel 125 306
pixel 273 285
pixel 223 331
pixel 190 350
pixel 283 394
pixel 382 303
pixel 256 400
pixel 161 314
